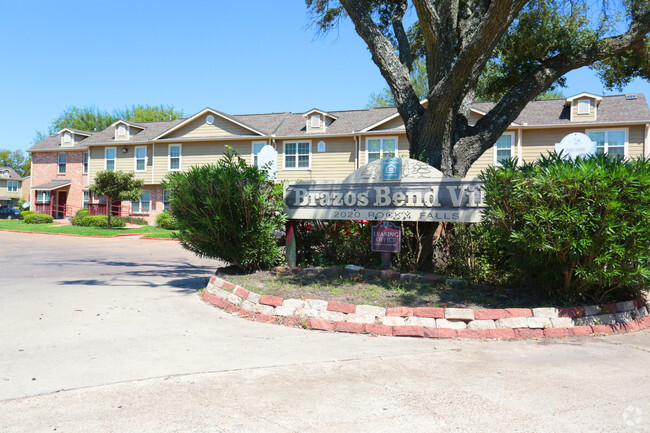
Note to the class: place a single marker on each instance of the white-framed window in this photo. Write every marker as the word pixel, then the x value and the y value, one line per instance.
pixel 109 158
pixel 297 155
pixel 141 158
pixel 166 200
pixel 380 147
pixel 174 157
pixel 610 141
pixel 67 137
pixel 63 157
pixel 257 147
pixel 315 120
pixel 121 130
pixel 143 204
pixel 43 196
pixel 85 199
pixel 85 162
pixel 504 148
pixel 12 186
pixel 584 106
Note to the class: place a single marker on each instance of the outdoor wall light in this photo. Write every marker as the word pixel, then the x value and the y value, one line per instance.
pixel 124 149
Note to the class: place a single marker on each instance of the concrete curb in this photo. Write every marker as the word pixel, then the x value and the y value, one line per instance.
pixel 430 322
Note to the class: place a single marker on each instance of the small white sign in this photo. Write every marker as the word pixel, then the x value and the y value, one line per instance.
pixel 576 145
pixel 268 157
pixel 321 146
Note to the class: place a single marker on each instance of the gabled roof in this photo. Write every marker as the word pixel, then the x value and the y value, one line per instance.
pixel 124 122
pixel 202 113
pixel 12 174
pixel 321 112
pixel 583 95
pixel 75 131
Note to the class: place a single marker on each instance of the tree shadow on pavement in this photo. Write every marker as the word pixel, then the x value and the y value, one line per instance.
pixel 185 277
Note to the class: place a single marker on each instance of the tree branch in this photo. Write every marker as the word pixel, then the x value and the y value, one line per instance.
pixel 430 27
pixel 492 125
pixel 478 45
pixel 391 68
pixel 400 34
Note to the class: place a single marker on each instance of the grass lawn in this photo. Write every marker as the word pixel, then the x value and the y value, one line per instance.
pixel 356 289
pixel 154 232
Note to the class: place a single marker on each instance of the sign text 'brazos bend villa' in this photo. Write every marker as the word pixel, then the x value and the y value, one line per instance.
pixel 396 189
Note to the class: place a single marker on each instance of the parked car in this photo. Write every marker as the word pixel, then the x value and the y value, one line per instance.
pixel 10 214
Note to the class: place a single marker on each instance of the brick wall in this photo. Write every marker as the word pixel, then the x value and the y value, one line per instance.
pixel 46 168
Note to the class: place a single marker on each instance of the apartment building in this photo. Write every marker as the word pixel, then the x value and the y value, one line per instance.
pixel 314 145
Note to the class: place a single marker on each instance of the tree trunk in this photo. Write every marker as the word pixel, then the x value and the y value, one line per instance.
pixel 432 140
pixel 109 210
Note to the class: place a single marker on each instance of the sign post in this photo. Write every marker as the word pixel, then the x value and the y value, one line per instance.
pixel 386 238
pixel 290 251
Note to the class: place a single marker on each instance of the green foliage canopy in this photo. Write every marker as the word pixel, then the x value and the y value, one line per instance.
pixel 16 160
pixel 93 119
pixel 116 186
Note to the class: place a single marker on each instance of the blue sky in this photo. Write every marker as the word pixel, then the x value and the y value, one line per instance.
pixel 237 57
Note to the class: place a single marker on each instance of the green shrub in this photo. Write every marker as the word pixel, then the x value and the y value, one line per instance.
pixel 137 220
pixel 85 220
pixel 164 220
pixel 77 220
pixel 229 211
pixel 38 218
pixel 575 230
pixel 27 212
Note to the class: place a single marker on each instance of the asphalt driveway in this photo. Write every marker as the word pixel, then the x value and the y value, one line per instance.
pixel 110 335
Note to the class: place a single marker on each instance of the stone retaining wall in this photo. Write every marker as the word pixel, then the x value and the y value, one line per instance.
pixel 432 322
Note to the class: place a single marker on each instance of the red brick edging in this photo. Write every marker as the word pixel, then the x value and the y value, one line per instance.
pixel 430 322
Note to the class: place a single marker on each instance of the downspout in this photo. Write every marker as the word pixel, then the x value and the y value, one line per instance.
pixel 519 147
pixel 32 204
pixel 356 149
pixel 153 161
pixel 646 141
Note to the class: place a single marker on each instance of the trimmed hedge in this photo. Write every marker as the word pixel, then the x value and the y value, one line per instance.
pixel 85 220
pixel 27 212
pixel 38 218
pixel 573 230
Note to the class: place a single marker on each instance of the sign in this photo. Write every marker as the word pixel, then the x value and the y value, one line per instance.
pixel 576 145
pixel 423 194
pixel 386 238
pixel 391 169
pixel 268 155
pixel 322 146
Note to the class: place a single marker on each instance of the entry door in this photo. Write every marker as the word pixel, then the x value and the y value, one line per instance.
pixel 63 199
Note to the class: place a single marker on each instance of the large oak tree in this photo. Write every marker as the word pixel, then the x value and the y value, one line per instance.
pixel 512 50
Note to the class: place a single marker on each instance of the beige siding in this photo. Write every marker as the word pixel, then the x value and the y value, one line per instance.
pixel 473 118
pixel 487 159
pixel 196 154
pixel 636 137
pixel 336 163
pixel 4 190
pixel 391 124
pixel 402 146
pixel 575 117
pixel 123 161
pixel 198 128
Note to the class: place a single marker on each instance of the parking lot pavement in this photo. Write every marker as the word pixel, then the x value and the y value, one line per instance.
pixel 110 335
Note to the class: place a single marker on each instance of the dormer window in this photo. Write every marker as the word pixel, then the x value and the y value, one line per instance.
pixel 315 120
pixel 121 130
pixel 584 106
pixel 67 137
pixel 5 173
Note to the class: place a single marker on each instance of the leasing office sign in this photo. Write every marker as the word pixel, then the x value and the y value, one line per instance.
pixel 422 193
